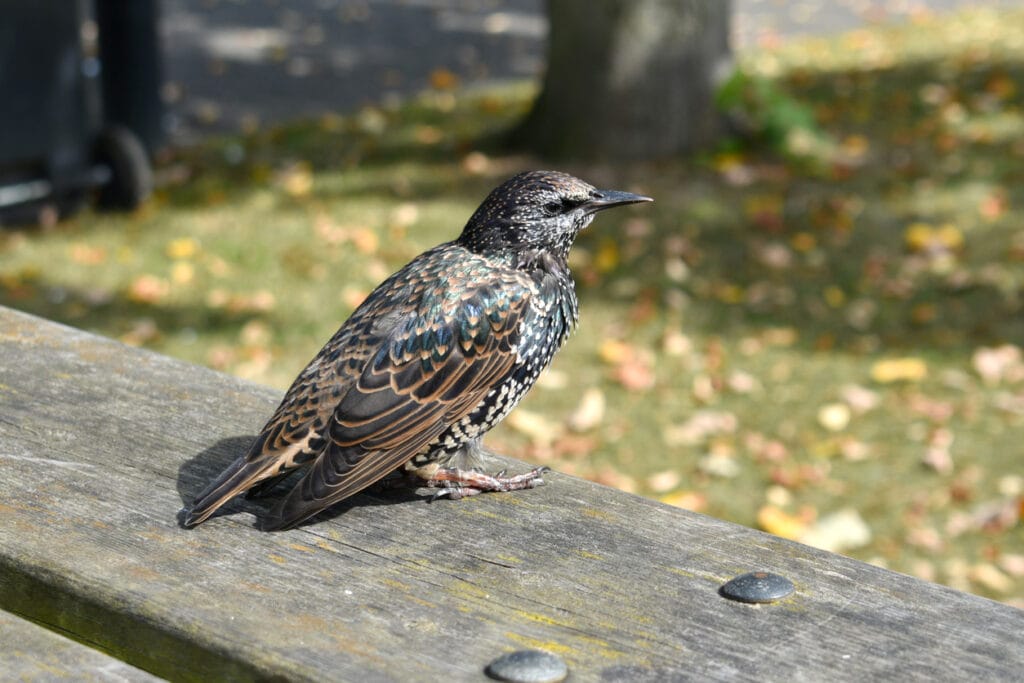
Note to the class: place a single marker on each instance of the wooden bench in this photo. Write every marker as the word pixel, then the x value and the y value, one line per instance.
pixel 33 653
pixel 100 446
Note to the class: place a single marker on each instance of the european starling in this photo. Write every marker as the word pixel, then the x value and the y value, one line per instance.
pixel 434 357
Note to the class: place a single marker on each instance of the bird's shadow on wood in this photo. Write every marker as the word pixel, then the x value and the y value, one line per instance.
pixel 202 468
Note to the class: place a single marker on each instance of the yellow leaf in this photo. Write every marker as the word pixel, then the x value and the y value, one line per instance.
pixel 182 248
pixel 949 236
pixel 908 369
pixel 687 500
pixel 613 351
pixel 990 577
pixel 917 236
pixel 834 296
pixel 920 237
pixel 365 240
pixel 182 272
pixel 297 179
pixel 781 523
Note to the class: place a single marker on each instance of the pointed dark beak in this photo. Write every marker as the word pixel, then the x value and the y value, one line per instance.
pixel 607 199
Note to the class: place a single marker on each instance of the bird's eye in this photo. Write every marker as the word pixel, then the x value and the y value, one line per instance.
pixel 553 208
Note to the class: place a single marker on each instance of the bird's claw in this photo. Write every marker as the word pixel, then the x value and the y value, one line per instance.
pixel 455 483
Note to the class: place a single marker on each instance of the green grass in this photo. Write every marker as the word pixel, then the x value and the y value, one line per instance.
pixel 734 329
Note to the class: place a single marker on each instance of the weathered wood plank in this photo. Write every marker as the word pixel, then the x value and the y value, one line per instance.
pixel 100 444
pixel 33 653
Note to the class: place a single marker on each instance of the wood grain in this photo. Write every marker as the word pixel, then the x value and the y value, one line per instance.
pixel 100 446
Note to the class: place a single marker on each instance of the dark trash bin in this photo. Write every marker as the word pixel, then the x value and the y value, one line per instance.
pixel 81 114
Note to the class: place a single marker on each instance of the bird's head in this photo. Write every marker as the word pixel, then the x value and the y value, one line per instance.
pixel 538 211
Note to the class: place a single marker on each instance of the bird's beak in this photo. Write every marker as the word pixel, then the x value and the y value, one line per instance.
pixel 607 199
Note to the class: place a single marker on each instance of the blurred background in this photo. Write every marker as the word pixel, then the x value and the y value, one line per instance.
pixel 816 330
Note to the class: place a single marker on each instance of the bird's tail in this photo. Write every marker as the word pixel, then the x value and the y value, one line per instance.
pixel 238 477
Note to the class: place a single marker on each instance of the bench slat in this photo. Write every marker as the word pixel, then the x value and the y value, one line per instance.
pixel 33 653
pixel 101 444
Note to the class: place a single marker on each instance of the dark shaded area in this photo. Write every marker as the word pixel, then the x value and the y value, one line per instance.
pixel 202 468
pixel 199 470
pixel 52 601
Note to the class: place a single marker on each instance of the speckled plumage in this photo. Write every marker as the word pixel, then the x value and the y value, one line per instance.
pixel 436 356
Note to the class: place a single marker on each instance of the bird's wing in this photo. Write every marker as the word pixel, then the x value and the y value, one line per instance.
pixel 436 365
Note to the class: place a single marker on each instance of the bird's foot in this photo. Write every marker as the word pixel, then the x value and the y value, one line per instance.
pixel 456 483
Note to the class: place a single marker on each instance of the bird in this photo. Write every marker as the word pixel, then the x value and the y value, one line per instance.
pixel 433 358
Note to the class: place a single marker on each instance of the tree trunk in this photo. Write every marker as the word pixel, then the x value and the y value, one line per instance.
pixel 630 79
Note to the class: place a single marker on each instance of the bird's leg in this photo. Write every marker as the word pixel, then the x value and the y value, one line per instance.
pixel 457 483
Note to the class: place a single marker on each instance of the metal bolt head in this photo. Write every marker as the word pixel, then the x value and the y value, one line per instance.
pixel 528 666
pixel 757 587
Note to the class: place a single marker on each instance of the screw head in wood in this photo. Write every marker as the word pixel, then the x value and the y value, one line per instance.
pixel 757 587
pixel 528 666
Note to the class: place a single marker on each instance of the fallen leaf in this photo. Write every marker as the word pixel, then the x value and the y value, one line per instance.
pixel 764 449
pixel 404 215
pixel 699 427
pixel 1012 564
pixel 88 255
pixel 990 577
pixel 842 530
pixel 590 411
pixel 780 336
pixel 664 481
pixel 675 343
pixel 776 521
pixel 476 163
pixel 908 369
pixel 687 500
pixel 143 330
pixel 927 538
pixel 721 465
pixel 428 135
pixel 296 179
pixel 182 248
pixel 937 456
pixel 614 478
pixel 443 79
pixel 924 570
pixel 998 364
pixel 148 289
pixel 538 428
pixel 182 272
pixel 834 417
pixel 860 399
pixel 365 241
pixel 742 382
pixel 925 238
pixel 613 351
pixel 637 374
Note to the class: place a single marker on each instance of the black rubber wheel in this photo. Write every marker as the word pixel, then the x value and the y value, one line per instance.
pixel 131 177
